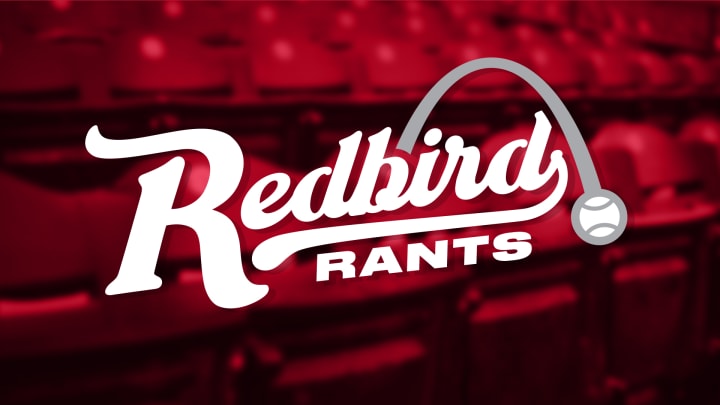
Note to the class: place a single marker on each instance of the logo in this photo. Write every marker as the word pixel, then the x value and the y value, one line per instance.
pixel 598 217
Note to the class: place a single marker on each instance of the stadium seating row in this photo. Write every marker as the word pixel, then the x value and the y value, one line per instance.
pixel 231 51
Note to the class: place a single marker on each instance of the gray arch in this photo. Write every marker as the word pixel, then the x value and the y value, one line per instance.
pixel 586 169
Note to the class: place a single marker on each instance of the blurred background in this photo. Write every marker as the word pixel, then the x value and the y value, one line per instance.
pixel 636 322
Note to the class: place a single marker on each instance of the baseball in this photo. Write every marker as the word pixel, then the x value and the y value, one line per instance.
pixel 599 217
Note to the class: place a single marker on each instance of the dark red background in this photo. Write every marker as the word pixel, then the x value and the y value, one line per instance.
pixel 635 322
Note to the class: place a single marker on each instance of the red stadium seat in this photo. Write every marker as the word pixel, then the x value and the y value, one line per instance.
pixel 45 249
pixel 387 371
pixel 291 65
pixel 486 41
pixel 156 65
pixel 659 72
pixel 527 328
pixel 549 58
pixel 524 341
pixel 425 23
pixel 34 71
pixel 609 70
pixel 68 21
pixel 698 72
pixel 702 136
pixel 655 71
pixel 208 22
pixel 521 347
pixel 621 147
pixel 655 322
pixel 397 66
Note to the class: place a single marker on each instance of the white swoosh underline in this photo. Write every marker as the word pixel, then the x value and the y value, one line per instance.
pixel 272 252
